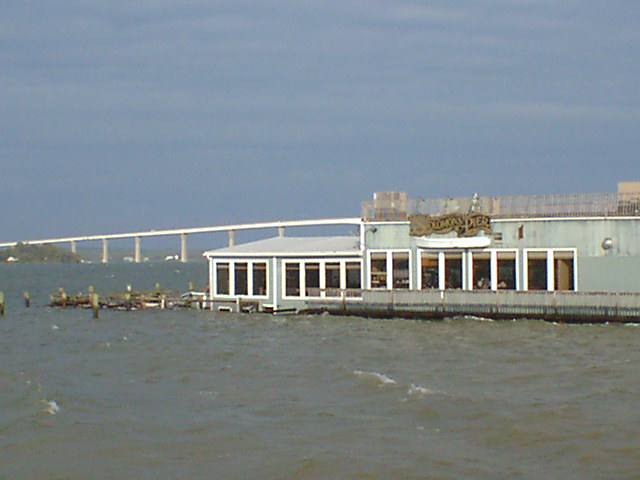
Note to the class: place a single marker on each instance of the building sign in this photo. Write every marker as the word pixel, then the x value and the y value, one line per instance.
pixel 464 225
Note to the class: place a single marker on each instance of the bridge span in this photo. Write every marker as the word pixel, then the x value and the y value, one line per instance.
pixel 183 232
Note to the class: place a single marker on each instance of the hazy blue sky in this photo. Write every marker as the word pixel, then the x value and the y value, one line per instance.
pixel 120 115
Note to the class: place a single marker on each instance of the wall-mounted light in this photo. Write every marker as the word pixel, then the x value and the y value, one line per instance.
pixel 607 243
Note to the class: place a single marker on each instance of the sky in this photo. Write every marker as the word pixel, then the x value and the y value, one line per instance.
pixel 121 116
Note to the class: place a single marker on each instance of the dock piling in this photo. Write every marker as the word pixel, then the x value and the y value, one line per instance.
pixel 27 299
pixel 95 304
pixel 63 297
pixel 1 304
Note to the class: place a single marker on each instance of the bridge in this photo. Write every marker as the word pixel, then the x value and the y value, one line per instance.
pixel 182 233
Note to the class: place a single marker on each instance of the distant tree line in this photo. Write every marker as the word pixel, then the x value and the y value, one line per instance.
pixel 23 253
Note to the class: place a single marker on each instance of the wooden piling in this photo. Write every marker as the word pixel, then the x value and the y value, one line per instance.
pixel 95 304
pixel 63 297
pixel 1 304
pixel 27 299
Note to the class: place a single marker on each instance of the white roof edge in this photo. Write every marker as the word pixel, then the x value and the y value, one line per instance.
pixel 352 253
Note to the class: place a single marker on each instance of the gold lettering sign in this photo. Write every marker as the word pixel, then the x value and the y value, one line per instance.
pixel 464 225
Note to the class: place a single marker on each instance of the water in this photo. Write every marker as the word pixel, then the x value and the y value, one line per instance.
pixel 195 394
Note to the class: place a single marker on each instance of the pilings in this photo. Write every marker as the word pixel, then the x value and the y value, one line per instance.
pixel 157 298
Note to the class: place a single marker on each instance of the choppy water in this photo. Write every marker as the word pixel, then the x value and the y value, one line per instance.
pixel 194 394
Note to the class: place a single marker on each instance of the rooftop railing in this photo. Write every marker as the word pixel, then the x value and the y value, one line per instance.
pixel 519 206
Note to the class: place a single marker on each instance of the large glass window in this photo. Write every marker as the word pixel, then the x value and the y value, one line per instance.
pixel 537 270
pixel 354 275
pixel 563 269
pixel 260 279
pixel 429 270
pixel 292 279
pixel 482 270
pixel 379 270
pixel 222 279
pixel 453 270
pixel 400 262
pixel 312 279
pixel 241 279
pixel 506 270
pixel 332 279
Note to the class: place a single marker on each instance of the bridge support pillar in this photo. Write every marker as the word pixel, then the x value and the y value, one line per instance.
pixel 232 238
pixel 281 232
pixel 105 250
pixel 183 247
pixel 136 250
pixel 74 247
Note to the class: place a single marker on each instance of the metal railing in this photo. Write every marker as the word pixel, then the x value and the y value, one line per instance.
pixel 526 206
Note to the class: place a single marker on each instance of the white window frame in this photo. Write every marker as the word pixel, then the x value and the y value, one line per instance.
pixel 232 277
pixel 551 274
pixel 493 266
pixel 342 261
pixel 389 262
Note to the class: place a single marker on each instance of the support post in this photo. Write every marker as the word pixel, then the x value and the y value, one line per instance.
pixel 183 247
pixel 95 304
pixel 105 250
pixel 281 232
pixel 232 238
pixel 74 247
pixel 136 250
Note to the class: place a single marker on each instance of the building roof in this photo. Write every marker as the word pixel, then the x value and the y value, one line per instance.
pixel 292 247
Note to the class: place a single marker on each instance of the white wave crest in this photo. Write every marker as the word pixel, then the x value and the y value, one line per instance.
pixel 419 391
pixel 379 377
pixel 51 407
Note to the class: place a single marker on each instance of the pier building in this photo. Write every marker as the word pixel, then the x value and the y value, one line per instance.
pixel 561 244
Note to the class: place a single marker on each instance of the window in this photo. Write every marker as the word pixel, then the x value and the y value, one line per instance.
pixel 241 279
pixel 453 270
pixel 259 279
pixel 481 271
pixel 332 279
pixel 536 270
pixel 379 270
pixel 563 270
pixel 400 262
pixel 506 270
pixel 312 279
pixel 222 279
pixel 292 279
pixel 354 275
pixel 429 270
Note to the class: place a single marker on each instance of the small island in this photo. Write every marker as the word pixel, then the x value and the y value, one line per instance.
pixel 23 253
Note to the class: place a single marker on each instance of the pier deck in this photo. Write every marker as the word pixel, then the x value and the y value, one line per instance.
pixel 560 306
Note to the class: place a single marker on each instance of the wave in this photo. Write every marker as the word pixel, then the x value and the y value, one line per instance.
pixel 51 407
pixel 419 391
pixel 380 378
